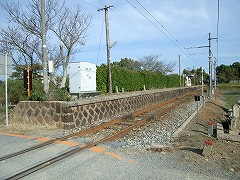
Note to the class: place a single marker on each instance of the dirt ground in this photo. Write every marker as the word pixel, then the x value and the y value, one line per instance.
pixel 225 155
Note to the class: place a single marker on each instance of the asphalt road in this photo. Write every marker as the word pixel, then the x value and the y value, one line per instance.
pixel 100 162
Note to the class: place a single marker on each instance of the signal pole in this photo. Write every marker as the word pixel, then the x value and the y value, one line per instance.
pixel 44 49
pixel 108 47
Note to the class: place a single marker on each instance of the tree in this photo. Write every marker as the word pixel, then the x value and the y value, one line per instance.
pixel 197 75
pixel 152 63
pixel 128 63
pixel 22 38
pixel 236 67
pixel 227 73
pixel 71 31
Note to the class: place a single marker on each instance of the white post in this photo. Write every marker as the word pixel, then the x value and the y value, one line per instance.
pixel 6 90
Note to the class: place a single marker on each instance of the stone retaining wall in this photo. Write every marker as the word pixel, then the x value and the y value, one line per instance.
pixel 80 114
pixel 47 113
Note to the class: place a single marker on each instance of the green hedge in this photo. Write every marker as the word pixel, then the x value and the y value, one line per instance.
pixel 17 93
pixel 121 77
pixel 134 80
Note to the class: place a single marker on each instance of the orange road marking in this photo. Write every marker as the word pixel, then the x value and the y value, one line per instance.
pixel 131 161
pixel 17 135
pixel 43 139
pixel 97 149
pixel 113 155
pixel 68 143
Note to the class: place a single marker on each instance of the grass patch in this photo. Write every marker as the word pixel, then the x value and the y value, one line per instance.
pixel 2 109
pixel 230 92
pixel 231 99
pixel 229 86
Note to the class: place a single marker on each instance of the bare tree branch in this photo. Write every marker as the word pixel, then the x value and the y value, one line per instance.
pixel 71 31
pixel 152 63
pixel 23 36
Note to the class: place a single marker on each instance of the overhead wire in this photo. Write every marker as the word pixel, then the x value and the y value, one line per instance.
pixel 143 36
pixel 181 49
pixel 89 4
pixel 162 26
pixel 168 32
pixel 151 22
pixel 99 46
pixel 100 41
pixel 157 21
pixel 134 27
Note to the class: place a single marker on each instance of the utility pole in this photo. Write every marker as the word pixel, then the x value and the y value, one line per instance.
pixel 202 82
pixel 210 65
pixel 194 76
pixel 210 61
pixel 44 49
pixel 215 75
pixel 179 70
pixel 108 47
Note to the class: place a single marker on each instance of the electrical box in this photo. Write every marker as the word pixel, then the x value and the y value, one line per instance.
pixel 82 77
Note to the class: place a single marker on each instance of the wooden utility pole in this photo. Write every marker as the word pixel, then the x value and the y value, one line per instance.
pixel 44 49
pixel 202 82
pixel 28 81
pixel 179 70
pixel 108 47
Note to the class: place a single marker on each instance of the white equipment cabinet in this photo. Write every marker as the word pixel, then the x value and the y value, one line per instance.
pixel 82 77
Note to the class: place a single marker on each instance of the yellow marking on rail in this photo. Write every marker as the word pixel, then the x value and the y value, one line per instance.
pixel 97 149
pixel 113 155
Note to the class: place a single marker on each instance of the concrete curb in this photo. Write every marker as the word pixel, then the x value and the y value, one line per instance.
pixel 175 134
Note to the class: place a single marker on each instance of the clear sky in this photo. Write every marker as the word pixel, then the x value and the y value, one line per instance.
pixel 162 27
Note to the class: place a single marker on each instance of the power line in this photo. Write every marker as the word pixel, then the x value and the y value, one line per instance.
pixel 100 42
pixel 166 31
pixel 89 4
pixel 152 23
pixel 181 49
pixel 157 21
pixel 141 35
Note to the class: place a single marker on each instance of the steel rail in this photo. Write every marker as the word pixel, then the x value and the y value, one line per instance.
pixel 76 150
pixel 95 128
pixel 81 133
pixel 115 136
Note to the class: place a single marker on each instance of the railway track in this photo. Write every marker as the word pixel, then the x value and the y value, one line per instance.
pixel 108 131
